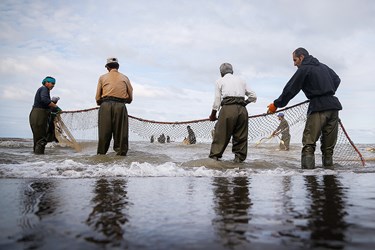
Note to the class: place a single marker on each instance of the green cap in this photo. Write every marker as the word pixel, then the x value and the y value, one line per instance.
pixel 49 79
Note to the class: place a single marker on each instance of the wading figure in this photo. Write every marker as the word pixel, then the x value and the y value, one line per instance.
pixel 283 129
pixel 319 83
pixel 114 90
pixel 40 113
pixel 230 92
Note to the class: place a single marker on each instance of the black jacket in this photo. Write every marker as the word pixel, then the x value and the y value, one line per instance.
pixel 42 98
pixel 317 81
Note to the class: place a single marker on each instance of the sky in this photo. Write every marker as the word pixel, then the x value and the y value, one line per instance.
pixel 171 51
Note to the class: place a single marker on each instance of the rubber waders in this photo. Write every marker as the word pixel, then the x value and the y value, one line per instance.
pixel 327 161
pixel 308 161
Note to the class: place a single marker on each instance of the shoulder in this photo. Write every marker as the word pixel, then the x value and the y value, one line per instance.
pixel 125 77
pixel 119 74
pixel 219 81
pixel 236 78
pixel 43 89
pixel 103 76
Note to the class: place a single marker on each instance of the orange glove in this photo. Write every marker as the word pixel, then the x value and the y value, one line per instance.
pixel 271 108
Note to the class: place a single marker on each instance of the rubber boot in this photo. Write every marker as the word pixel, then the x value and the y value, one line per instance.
pixel 237 159
pixel 40 147
pixel 327 161
pixel 307 161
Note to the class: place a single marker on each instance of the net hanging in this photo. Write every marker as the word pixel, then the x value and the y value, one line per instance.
pixel 82 125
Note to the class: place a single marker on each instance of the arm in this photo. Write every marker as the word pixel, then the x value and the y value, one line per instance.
pixel 336 79
pixel 291 89
pixel 217 102
pixel 99 92
pixel 46 99
pixel 251 96
pixel 277 130
pixel 129 88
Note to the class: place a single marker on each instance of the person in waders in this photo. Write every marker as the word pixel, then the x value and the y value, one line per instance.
pixel 114 90
pixel 40 114
pixel 230 92
pixel 283 129
pixel 319 83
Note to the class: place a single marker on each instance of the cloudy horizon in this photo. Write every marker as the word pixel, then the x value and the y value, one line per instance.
pixel 171 51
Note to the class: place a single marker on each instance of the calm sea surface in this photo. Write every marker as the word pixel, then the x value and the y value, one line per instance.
pixel 170 196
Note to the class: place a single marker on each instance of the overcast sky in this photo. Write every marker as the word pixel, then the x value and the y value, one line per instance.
pixel 172 50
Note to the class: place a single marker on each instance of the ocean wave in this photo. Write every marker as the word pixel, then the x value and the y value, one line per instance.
pixel 15 143
pixel 73 169
pixel 156 160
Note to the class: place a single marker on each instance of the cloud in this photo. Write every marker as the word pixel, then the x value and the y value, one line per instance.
pixel 172 51
pixel 15 94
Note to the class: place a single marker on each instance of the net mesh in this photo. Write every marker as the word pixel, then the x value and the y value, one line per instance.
pixel 83 126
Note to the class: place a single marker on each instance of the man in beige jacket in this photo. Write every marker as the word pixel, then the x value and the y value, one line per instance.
pixel 113 91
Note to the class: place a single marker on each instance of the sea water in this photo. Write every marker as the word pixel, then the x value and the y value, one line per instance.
pixel 171 196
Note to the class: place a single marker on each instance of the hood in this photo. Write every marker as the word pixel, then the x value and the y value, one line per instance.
pixel 310 60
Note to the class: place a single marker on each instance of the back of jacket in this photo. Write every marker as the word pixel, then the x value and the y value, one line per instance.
pixel 317 81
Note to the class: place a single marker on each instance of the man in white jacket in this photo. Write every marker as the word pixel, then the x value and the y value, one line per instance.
pixel 230 92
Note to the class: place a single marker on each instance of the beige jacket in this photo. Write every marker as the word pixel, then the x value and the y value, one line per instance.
pixel 114 84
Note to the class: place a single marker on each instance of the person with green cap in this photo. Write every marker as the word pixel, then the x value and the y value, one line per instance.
pixel 40 114
pixel 114 90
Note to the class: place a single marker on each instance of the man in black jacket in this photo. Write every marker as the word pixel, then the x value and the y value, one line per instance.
pixel 319 83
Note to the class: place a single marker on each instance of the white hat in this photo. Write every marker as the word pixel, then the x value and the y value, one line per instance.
pixel 112 60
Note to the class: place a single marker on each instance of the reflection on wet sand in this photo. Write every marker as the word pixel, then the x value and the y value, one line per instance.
pixel 326 215
pixel 232 203
pixel 37 204
pixel 257 212
pixel 108 216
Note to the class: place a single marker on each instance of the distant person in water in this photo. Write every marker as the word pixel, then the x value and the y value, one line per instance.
pixel 191 135
pixel 283 129
pixel 161 138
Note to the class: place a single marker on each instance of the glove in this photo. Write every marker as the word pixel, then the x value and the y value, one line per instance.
pixel 55 99
pixel 58 110
pixel 213 115
pixel 271 108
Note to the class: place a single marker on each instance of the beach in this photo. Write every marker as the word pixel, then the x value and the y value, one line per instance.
pixel 171 196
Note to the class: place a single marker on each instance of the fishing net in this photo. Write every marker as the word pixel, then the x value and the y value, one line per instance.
pixel 82 125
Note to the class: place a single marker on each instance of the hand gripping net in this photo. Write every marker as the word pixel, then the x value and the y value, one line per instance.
pixel 82 125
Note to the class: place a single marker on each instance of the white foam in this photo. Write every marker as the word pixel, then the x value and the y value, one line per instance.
pixel 72 169
pixel 145 159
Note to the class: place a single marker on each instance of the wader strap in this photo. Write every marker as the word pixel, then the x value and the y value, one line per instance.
pixel 113 99
pixel 233 100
